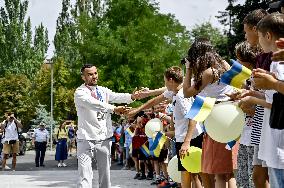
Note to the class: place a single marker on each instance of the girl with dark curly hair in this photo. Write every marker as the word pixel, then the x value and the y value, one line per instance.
pixel 205 66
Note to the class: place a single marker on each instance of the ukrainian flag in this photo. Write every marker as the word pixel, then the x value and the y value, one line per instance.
pixel 158 144
pixel 145 150
pixel 201 108
pixel 129 132
pixel 236 76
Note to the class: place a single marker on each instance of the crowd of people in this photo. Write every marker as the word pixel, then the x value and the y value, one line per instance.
pixel 257 160
pixel 64 140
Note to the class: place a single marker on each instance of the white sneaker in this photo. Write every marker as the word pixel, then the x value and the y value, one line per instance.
pixel 7 167
pixel 64 165
pixel 59 165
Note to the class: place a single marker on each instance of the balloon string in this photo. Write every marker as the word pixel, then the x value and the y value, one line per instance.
pixel 168 137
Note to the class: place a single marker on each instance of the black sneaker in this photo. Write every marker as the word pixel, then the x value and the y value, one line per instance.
pixel 142 177
pixel 42 165
pixel 137 176
pixel 149 177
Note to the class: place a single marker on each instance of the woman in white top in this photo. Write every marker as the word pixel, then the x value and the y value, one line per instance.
pixel 205 65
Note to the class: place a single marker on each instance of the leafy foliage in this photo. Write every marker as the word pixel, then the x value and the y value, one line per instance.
pixel 20 53
pixel 42 116
pixel 15 92
pixel 130 50
pixel 130 42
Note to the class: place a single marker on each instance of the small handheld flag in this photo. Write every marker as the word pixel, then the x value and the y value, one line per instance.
pixel 129 132
pixel 158 144
pixel 201 108
pixel 145 150
pixel 236 76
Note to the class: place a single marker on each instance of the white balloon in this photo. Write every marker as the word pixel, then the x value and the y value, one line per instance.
pixel 173 170
pixel 225 122
pixel 152 127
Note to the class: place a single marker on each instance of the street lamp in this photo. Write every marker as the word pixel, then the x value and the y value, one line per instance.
pixel 50 62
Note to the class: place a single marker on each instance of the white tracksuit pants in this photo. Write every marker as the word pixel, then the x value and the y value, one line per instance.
pixel 100 151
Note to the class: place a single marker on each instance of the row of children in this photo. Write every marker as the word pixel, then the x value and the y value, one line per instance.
pixel 261 147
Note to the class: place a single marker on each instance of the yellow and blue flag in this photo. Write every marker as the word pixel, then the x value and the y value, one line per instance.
pixel 129 132
pixel 236 76
pixel 158 144
pixel 145 150
pixel 201 108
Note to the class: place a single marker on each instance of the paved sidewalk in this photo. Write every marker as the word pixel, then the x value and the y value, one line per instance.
pixel 65 179
pixel 29 176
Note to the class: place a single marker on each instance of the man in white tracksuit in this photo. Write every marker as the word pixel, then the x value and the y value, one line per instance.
pixel 94 126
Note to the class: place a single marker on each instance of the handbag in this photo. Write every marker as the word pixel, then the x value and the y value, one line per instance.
pixel 276 120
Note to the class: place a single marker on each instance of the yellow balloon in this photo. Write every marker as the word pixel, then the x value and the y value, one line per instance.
pixel 173 172
pixel 152 127
pixel 192 162
pixel 225 122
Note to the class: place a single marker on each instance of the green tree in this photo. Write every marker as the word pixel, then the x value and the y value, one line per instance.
pixel 132 49
pixel 42 116
pixel 63 96
pixel 20 52
pixel 15 95
pixel 65 42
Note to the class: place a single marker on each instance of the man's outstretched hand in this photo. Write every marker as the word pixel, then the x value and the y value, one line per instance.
pixel 121 110
pixel 140 94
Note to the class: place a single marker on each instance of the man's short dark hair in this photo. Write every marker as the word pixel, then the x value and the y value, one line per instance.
pixel 174 73
pixel 85 66
pixel 254 17
pixel 273 23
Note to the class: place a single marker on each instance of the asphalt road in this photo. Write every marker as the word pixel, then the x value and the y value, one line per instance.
pixel 29 176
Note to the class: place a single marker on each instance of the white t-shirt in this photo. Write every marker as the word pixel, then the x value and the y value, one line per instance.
pixel 216 90
pixel 247 129
pixel 41 135
pixel 180 107
pixel 11 132
pixel 246 134
pixel 271 147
